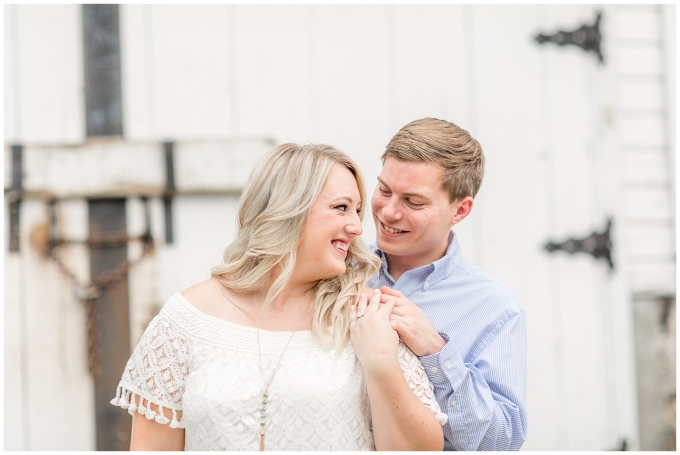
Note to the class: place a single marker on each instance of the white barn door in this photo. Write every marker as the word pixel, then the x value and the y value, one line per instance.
pixel 540 115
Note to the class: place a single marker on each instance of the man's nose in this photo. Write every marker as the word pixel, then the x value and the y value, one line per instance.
pixel 391 210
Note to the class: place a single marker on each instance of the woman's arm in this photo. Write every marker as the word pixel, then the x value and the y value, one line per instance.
pixel 400 420
pixel 150 435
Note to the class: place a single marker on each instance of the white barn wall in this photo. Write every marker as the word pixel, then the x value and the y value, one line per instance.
pixel 44 59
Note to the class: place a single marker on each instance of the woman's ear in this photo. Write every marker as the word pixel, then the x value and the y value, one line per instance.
pixel 461 209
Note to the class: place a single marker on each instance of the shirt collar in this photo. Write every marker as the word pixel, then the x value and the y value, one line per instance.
pixel 433 272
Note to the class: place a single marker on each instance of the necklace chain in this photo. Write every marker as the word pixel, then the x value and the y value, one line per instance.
pixel 265 383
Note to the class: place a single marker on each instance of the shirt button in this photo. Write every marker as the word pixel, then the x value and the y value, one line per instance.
pixel 453 402
pixel 447 364
pixel 426 285
pixel 434 369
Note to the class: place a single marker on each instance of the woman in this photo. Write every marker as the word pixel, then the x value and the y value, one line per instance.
pixel 258 356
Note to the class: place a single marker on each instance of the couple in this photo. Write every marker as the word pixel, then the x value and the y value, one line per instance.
pixel 285 348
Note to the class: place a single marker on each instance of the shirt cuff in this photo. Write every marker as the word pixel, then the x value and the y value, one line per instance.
pixel 445 366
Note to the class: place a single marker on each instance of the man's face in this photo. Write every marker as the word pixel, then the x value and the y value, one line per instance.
pixel 412 212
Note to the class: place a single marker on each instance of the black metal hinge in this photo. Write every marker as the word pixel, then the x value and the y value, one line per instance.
pixel 587 37
pixel 597 244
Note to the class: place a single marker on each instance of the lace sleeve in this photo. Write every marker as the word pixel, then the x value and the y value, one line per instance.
pixel 418 381
pixel 156 373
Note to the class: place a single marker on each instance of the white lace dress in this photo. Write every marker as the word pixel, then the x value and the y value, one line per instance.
pixel 208 369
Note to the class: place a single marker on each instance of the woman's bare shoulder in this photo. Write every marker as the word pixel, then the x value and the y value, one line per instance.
pixel 203 295
pixel 212 297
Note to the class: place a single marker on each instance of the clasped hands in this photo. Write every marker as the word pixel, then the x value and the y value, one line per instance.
pixel 385 315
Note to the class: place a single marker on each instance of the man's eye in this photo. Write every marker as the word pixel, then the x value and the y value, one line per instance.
pixel 414 204
pixel 384 190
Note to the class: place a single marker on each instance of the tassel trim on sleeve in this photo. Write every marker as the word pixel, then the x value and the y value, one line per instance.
pixel 126 400
pixel 440 416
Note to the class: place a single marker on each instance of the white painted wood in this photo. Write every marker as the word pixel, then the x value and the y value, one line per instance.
pixel 639 60
pixel 640 26
pixel 275 71
pixel 640 96
pixel 650 240
pixel 137 63
pixel 56 365
pixel 217 166
pixel 11 104
pixel 48 78
pixel 642 131
pixel 114 166
pixel 657 275
pixel 648 204
pixel 15 415
pixel 188 75
pixel 646 167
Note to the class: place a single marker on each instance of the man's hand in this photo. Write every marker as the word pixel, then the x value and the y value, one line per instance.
pixel 412 325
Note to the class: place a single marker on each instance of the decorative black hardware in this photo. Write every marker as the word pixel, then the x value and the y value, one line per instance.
pixel 597 244
pixel 587 38
pixel 170 189
pixel 14 197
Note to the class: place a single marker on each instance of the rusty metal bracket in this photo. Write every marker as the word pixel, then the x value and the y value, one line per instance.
pixel 15 196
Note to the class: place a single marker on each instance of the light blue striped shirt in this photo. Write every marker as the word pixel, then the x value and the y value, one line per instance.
pixel 479 376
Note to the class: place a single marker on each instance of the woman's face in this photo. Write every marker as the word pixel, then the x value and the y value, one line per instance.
pixel 333 222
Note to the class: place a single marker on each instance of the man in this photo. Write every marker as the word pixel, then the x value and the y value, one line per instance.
pixel 468 330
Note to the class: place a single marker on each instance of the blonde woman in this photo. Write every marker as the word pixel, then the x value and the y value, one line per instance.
pixel 268 353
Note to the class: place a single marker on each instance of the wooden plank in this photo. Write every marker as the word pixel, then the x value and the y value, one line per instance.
pixel 642 132
pixel 56 378
pixel 186 44
pixel 645 204
pixel 15 393
pixel 640 96
pixel 49 72
pixel 649 240
pixel 637 61
pixel 275 67
pixel 113 325
pixel 113 166
pixel 11 81
pixel 137 60
pixel 657 275
pixel 637 25
pixel 645 167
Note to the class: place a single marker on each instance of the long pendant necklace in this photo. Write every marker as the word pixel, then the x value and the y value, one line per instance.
pixel 265 383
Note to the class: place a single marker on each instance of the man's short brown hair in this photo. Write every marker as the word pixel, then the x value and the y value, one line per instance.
pixel 446 145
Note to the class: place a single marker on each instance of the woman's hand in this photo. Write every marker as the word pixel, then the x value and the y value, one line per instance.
pixel 373 338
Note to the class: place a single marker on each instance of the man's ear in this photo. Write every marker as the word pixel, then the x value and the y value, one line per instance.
pixel 462 208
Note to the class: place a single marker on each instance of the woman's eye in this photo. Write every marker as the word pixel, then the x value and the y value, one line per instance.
pixel 341 207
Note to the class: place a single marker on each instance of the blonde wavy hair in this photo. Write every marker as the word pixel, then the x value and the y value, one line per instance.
pixel 272 219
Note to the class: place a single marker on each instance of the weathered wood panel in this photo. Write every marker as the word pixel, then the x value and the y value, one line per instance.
pixel 47 74
pixel 178 61
pixel 49 342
